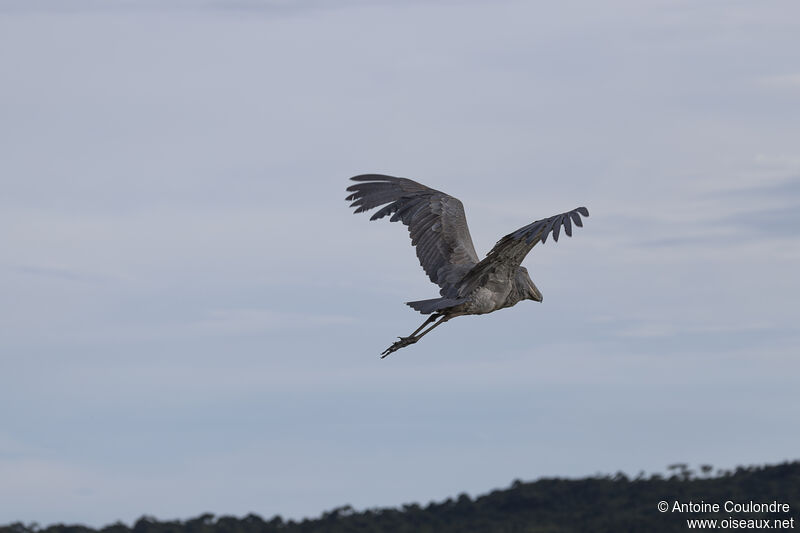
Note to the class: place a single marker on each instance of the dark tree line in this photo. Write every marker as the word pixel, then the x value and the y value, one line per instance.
pixel 600 504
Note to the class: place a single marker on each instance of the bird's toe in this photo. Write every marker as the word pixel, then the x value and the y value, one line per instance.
pixel 403 342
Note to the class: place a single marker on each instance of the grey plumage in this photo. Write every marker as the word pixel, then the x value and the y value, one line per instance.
pixel 438 229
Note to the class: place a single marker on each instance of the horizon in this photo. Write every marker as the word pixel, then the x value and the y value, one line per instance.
pixel 680 472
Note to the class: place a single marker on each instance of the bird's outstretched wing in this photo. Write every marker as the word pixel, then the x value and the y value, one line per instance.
pixel 435 220
pixel 505 258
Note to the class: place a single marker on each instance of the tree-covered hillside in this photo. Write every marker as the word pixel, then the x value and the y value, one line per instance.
pixel 598 504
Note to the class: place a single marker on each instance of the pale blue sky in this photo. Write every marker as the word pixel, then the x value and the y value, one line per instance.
pixel 191 316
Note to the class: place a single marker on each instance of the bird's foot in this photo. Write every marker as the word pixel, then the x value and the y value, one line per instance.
pixel 402 343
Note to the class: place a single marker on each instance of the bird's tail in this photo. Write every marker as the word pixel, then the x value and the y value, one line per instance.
pixel 427 307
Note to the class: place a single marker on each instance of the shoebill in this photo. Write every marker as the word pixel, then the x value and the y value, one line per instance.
pixel 436 222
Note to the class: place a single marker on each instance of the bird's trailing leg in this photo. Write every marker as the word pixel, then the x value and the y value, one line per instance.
pixel 411 339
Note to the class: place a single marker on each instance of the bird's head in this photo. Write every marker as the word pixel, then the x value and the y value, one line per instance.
pixel 525 284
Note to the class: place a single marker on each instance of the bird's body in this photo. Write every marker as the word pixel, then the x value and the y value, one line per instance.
pixel 438 229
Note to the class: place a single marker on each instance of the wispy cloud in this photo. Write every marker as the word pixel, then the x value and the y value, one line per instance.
pixel 60 273
pixel 231 321
pixel 663 329
pixel 731 216
pixel 781 81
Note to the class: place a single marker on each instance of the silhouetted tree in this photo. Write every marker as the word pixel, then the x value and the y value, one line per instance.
pixel 601 503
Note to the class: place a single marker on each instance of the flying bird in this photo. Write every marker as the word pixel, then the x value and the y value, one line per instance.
pixel 439 232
